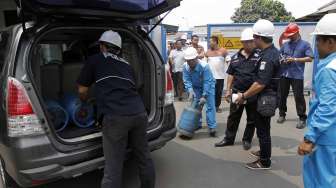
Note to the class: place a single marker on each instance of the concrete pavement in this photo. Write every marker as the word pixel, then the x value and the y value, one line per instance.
pixel 197 164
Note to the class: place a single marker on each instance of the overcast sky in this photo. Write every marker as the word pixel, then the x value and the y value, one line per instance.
pixel 201 12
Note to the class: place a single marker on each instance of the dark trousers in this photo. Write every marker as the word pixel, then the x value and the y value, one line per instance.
pixel 297 86
pixel 218 92
pixel 178 83
pixel 263 125
pixel 118 133
pixel 236 112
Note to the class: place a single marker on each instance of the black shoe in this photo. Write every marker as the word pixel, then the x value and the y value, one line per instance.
pixel 212 132
pixel 301 124
pixel 257 165
pixel 281 119
pixel 223 143
pixel 198 128
pixel 184 137
pixel 247 145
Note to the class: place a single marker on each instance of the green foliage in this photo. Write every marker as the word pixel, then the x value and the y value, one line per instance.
pixel 253 10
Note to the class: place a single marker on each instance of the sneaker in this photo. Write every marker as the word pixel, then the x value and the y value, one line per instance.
pixel 301 124
pixel 255 154
pixel 281 119
pixel 212 132
pixel 257 165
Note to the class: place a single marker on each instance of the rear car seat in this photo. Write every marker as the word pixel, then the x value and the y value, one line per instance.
pixel 51 80
pixel 73 63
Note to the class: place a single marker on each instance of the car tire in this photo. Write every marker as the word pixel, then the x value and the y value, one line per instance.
pixel 5 180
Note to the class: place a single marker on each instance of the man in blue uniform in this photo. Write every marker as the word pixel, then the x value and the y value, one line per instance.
pixel 265 87
pixel 200 85
pixel 295 54
pixel 121 109
pixel 241 73
pixel 319 165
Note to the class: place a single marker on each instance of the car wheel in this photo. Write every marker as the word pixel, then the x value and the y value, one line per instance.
pixel 5 180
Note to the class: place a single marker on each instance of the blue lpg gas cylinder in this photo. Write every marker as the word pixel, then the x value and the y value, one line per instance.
pixel 189 120
pixel 81 114
pixel 57 115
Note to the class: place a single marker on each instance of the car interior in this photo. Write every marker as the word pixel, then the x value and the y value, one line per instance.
pixel 58 57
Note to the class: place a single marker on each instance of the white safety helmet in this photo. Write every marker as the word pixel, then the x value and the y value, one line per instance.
pixel 184 37
pixel 264 28
pixel 111 37
pixel 190 53
pixel 326 25
pixel 247 34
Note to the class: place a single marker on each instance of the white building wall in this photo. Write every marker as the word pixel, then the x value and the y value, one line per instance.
pixel 234 30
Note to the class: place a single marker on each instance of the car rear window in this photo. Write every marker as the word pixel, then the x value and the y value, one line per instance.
pixel 5 38
pixel 119 5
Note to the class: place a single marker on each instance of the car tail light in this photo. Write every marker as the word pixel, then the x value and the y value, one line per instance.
pixel 169 87
pixel 20 115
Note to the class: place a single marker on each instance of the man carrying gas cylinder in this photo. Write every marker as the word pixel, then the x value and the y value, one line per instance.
pixel 200 85
pixel 121 110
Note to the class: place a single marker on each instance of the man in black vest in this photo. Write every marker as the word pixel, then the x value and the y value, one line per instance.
pixel 241 73
pixel 121 108
pixel 265 84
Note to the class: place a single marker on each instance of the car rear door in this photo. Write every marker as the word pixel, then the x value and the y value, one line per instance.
pixel 115 9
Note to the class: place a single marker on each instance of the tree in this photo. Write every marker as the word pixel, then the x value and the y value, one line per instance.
pixel 253 10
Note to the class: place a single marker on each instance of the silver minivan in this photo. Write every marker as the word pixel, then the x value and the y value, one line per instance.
pixel 40 60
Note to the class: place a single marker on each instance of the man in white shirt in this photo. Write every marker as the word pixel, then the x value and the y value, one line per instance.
pixel 176 60
pixel 199 48
pixel 216 60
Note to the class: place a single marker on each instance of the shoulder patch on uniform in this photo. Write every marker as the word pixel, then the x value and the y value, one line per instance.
pixel 262 65
pixel 123 60
pixel 332 65
pixel 118 58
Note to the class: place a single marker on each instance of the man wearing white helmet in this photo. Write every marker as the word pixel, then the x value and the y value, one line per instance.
pixel 319 143
pixel 184 39
pixel 121 110
pixel 200 85
pixel 241 73
pixel 265 87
